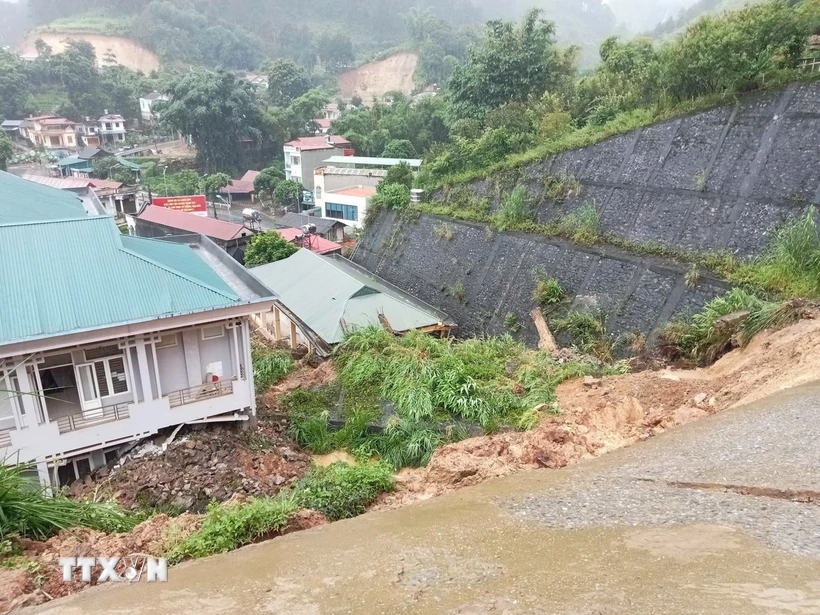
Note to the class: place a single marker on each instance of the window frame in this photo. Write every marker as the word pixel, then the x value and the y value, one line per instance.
pixel 205 338
pixel 159 344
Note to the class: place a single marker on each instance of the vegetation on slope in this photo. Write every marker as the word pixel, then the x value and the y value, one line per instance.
pixel 427 392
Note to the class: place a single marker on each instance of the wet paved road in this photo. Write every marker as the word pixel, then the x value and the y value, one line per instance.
pixel 624 534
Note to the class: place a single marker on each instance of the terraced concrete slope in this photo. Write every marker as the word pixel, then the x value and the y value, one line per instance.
pixel 719 180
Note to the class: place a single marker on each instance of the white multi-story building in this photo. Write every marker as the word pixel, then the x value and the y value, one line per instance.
pixel 106 339
pixel 147 103
pixel 112 130
pixel 303 156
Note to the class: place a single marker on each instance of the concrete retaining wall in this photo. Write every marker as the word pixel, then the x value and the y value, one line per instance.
pixel 498 272
pixel 760 157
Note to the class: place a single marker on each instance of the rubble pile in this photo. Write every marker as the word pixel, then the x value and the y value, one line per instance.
pixel 213 463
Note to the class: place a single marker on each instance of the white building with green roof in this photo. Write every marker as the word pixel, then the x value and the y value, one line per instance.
pixel 106 339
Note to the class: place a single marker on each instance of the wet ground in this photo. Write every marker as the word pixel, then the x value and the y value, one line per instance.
pixel 719 517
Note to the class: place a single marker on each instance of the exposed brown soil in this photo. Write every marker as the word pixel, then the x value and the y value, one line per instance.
pixel 378 78
pixel 128 52
pixel 598 416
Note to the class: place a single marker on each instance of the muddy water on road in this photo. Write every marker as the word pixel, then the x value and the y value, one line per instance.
pixel 463 553
pixel 468 553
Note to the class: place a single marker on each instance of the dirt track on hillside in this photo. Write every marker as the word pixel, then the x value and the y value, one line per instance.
pixel 378 78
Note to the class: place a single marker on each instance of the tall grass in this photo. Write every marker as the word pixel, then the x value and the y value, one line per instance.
pixel 338 491
pixel 515 210
pixel 790 266
pixel 704 337
pixel 441 391
pixel 27 509
pixel 269 366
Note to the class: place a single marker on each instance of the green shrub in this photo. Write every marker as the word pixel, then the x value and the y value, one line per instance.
pixel 588 332
pixel 704 337
pixel 269 366
pixel 548 293
pixel 515 210
pixel 225 528
pixel 581 226
pixel 790 265
pixel 27 509
pixel 341 491
pixel 559 188
pixel 512 323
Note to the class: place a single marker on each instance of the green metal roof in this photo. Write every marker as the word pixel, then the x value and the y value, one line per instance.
pixel 176 256
pixel 70 160
pixel 82 274
pixel 325 292
pixel 127 163
pixel 25 201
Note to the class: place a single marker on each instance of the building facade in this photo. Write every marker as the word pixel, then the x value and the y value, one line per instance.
pixel 303 156
pixel 349 205
pixel 106 339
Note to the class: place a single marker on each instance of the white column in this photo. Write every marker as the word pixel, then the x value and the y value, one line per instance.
pixel 26 399
pixel 145 372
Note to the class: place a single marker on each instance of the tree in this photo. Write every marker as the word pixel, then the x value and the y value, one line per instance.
pixel 399 148
pixel 268 247
pixel 393 196
pixel 288 194
pixel 6 151
pixel 335 52
pixel 729 52
pixel 286 81
pixel 399 174
pixel 266 182
pixel 111 168
pixel 217 110
pixel 212 184
pixel 512 63
pixel 14 87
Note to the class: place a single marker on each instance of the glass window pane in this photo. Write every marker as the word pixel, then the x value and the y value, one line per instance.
pixel 119 381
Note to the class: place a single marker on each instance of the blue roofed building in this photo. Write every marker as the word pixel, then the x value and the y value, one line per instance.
pixel 106 339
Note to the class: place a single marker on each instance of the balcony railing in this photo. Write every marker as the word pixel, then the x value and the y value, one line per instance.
pixel 5 437
pixel 81 420
pixel 201 393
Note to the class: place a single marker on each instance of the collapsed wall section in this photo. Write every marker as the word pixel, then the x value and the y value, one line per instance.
pixel 478 276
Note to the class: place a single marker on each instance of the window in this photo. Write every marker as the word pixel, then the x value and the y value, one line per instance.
pixel 342 212
pixel 169 340
pixel 212 332
pixel 296 160
pixel 111 376
pixel 318 192
pixel 101 352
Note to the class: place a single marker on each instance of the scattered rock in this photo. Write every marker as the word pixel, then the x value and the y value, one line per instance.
pixel 700 398
pixel 589 381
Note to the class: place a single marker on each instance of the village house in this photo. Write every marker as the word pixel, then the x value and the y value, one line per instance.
pixel 309 241
pixel 147 103
pixel 112 130
pixel 11 128
pixel 340 297
pixel 347 204
pixel 304 155
pixel 241 189
pixel 156 221
pixel 106 339
pixel 330 178
pixel 52 132
pixel 332 230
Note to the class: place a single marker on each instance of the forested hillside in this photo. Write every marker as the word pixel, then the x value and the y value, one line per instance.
pixel 240 33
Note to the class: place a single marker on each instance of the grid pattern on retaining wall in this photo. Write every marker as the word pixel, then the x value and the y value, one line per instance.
pixel 498 272
pixel 760 159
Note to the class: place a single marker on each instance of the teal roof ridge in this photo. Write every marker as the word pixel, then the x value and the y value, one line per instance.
pixel 232 297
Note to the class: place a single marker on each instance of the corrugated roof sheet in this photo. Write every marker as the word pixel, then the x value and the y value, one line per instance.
pixel 349 171
pixel 61 183
pixel 325 291
pixel 82 274
pixel 202 225
pixel 376 162
pixel 25 201
pixel 323 225
pixel 317 244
